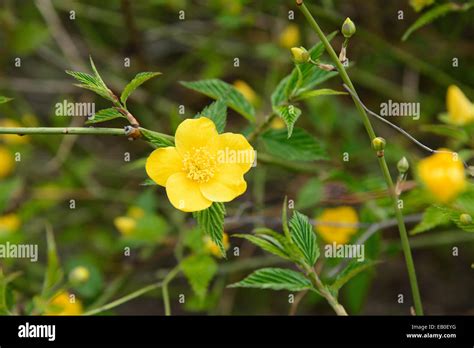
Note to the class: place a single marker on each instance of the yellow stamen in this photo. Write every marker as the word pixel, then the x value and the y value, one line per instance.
pixel 199 164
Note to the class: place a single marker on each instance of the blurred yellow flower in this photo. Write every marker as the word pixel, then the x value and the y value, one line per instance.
pixel 246 91
pixel 277 123
pixel 125 225
pixel 12 139
pixel 9 223
pixel 79 274
pixel 7 162
pixel 418 5
pixel 460 109
pixel 204 167
pixel 443 174
pixel 136 212
pixel 290 36
pixel 213 248
pixel 337 225
pixel 61 304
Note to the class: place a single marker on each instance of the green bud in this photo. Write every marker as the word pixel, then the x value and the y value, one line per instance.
pixel 300 54
pixel 378 144
pixel 348 28
pixel 403 165
pixel 79 275
pixel 465 219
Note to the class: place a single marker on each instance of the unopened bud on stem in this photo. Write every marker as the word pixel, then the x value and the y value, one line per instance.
pixel 348 28
pixel 465 219
pixel 300 55
pixel 403 165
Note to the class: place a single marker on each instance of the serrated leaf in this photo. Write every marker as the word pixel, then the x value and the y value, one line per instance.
pixel 304 238
pixel 267 244
pixel 318 93
pixel 353 269
pixel 289 114
pixel 155 138
pixel 211 222
pixel 275 279
pixel 96 74
pixel 104 115
pixel 199 270
pixel 433 14
pixel 218 89
pixel 302 146
pixel 217 112
pixel 139 79
pixel 91 83
pixel 432 217
pixel 4 99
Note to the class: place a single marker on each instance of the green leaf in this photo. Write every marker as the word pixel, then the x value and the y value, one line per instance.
pixel 211 222
pixel 302 146
pixel 4 99
pixel 4 281
pixel 433 14
pixel 54 274
pixel 275 279
pixel 156 139
pixel 139 79
pixel 267 243
pixel 447 131
pixel 303 77
pixel 199 270
pixel 289 114
pixel 353 269
pixel 318 93
pixel 303 236
pixel 217 112
pixel 216 89
pixel 432 217
pixel 28 36
pixel 310 194
pixel 104 115
pixel 91 83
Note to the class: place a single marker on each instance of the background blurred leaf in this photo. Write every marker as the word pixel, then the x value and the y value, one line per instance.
pixel 353 269
pixel 310 194
pixel 28 36
pixel 199 270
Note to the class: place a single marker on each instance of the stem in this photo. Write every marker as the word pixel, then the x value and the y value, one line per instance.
pixel 318 284
pixel 383 164
pixel 166 298
pixel 62 130
pixel 261 128
pixel 124 299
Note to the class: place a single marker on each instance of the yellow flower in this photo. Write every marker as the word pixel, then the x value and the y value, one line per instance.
pixel 79 274
pixel 125 224
pixel 61 304
pixel 460 109
pixel 290 36
pixel 443 174
pixel 277 123
pixel 7 162
pixel 12 139
pixel 337 224
pixel 136 212
pixel 204 167
pixel 9 223
pixel 213 248
pixel 418 5
pixel 246 91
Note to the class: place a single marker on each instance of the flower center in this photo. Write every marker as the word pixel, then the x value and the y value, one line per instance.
pixel 199 164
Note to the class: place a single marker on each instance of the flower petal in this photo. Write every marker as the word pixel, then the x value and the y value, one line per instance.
pixel 226 184
pixel 235 149
pixel 162 163
pixel 184 194
pixel 195 133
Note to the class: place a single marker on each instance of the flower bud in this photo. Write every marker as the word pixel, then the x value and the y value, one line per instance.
pixel 379 143
pixel 403 165
pixel 79 275
pixel 300 54
pixel 465 219
pixel 348 28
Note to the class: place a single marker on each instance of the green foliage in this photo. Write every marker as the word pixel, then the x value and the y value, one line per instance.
pixel 105 115
pixel 92 83
pixel 4 291
pixel 435 13
pixel 303 236
pixel 300 147
pixel 155 138
pixel 211 222
pixel 318 93
pixel 353 269
pixel 432 217
pixel 139 79
pixel 218 89
pixel 310 194
pixel 275 279
pixel 54 273
pixel 4 99
pixel 289 114
pixel 199 270
pixel 266 242
pixel 217 112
